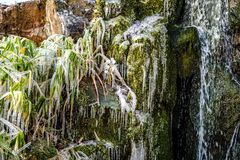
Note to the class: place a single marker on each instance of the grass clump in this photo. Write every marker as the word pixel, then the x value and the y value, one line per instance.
pixel 40 85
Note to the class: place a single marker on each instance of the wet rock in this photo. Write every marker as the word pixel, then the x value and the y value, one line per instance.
pixel 227 114
pixel 148 65
pixel 185 44
pixel 71 24
pixel 224 113
pixel 235 29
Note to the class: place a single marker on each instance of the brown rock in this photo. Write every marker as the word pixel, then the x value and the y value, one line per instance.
pixel 25 19
pixel 39 19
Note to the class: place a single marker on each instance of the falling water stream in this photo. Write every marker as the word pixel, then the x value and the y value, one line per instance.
pixel 210 18
pixel 233 142
pixel 204 94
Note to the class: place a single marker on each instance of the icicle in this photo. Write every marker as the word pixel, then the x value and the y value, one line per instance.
pixel 122 99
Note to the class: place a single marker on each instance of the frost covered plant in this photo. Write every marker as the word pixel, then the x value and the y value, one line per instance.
pixel 12 141
pixel 41 85
pixel 109 69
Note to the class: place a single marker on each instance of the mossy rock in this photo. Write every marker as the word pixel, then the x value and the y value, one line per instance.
pixel 128 8
pixel 137 59
pixel 188 52
pixel 145 51
pixel 186 46
pixel 146 8
pixel 162 143
pixel 225 111
pixel 41 150
pixel 115 44
pixel 227 101
pixel 235 16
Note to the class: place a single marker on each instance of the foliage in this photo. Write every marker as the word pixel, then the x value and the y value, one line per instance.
pixel 12 141
pixel 40 85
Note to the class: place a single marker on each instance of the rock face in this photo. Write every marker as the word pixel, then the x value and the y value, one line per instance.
pixel 25 19
pixel 235 27
pixel 37 20
pixel 232 114
pixel 185 44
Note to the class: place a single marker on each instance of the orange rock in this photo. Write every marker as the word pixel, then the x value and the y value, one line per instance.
pixel 39 19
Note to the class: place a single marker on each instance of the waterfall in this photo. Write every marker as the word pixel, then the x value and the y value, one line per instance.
pixel 233 142
pixel 209 17
pixel 204 94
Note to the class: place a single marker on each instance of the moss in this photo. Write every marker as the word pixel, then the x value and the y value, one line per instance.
pixel 152 74
pixel 135 130
pixel 99 8
pixel 83 98
pixel 162 135
pixel 40 150
pixel 188 52
pixel 149 7
pixel 224 110
pixel 235 17
pixel 118 25
pixel 128 8
pixel 137 59
pixel 117 47
pixel 103 126
pixel 146 8
pixel 226 102
pixel 143 61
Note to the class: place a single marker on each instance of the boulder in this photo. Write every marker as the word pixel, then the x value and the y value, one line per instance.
pixel 37 20
pixel 26 19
